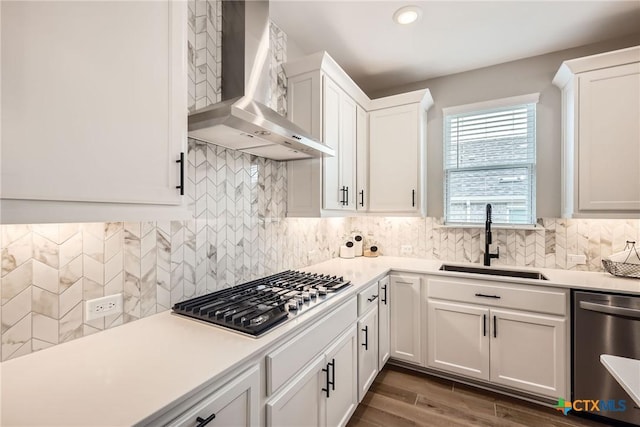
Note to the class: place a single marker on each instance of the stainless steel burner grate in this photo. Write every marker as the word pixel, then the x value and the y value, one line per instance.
pixel 257 306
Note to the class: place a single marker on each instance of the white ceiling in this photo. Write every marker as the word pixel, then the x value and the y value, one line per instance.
pixel 451 37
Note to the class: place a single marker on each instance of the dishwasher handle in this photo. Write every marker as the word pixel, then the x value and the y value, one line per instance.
pixel 611 309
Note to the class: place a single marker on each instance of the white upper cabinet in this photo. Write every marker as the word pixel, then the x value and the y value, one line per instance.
pixel 339 132
pixel 324 101
pixel 397 147
pixel 601 135
pixel 380 144
pixel 93 102
pixel 362 158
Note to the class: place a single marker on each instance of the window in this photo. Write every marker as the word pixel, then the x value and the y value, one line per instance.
pixel 490 157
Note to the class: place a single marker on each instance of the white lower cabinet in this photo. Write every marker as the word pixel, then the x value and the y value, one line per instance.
pixel 528 351
pixel 234 405
pixel 458 338
pixel 384 348
pixel 367 351
pixel 324 393
pixel 343 397
pixel 490 341
pixel 301 403
pixel 405 326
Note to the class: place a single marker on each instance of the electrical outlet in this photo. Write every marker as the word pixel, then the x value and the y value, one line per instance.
pixel 576 259
pixel 104 306
pixel 406 250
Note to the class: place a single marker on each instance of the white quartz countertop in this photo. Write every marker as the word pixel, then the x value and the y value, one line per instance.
pixel 362 270
pixel 123 375
pixel 626 371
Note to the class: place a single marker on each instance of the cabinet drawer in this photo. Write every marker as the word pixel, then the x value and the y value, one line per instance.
pixel 367 298
pixel 540 299
pixel 296 353
pixel 235 403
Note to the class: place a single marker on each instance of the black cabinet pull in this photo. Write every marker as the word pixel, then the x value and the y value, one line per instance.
pixel 495 327
pixel 361 197
pixel 413 198
pixel 333 374
pixel 488 296
pixel 384 300
pixel 204 421
pixel 326 371
pixel 484 325
pixel 181 186
pixel 366 337
pixel 373 298
pixel 345 196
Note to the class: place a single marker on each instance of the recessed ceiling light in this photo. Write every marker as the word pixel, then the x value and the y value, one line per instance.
pixel 407 15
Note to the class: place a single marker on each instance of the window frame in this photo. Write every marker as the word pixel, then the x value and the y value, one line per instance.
pixel 487 106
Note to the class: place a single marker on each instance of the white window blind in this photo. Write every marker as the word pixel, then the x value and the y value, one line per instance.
pixel 490 157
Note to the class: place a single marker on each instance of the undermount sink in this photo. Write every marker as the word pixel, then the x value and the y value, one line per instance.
pixel 494 272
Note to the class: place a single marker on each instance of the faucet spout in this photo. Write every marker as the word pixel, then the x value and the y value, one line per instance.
pixel 488 240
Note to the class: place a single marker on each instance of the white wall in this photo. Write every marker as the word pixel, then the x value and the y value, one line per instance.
pixel 500 81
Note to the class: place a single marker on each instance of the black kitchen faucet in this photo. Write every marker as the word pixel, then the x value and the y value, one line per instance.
pixel 487 239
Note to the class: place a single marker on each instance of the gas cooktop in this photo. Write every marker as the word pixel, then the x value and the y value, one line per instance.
pixel 258 306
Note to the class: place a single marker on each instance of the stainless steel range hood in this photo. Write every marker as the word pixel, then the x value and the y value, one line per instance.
pixel 243 121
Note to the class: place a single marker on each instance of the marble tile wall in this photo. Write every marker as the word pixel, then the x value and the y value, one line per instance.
pixel 204 42
pixel 546 246
pixel 277 77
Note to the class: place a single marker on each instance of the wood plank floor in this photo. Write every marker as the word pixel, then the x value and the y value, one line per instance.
pixel 401 397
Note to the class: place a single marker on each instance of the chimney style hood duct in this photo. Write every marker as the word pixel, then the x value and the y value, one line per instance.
pixel 242 121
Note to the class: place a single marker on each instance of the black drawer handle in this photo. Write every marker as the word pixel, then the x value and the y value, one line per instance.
pixel 181 186
pixel 204 421
pixel 495 327
pixel 488 296
pixel 484 325
pixel 366 337
pixel 413 198
pixel 361 197
pixel 333 374
pixel 384 300
pixel 373 298
pixel 326 371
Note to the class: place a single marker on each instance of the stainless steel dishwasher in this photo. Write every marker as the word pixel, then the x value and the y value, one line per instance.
pixel 604 324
